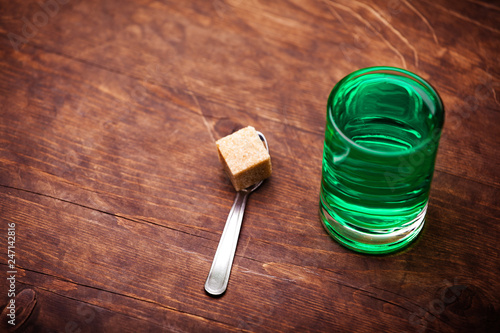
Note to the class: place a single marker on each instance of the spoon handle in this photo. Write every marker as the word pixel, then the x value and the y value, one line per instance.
pixel 219 273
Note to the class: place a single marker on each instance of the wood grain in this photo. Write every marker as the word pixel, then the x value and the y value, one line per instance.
pixel 108 116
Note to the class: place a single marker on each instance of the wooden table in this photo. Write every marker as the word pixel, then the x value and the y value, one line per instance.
pixel 108 168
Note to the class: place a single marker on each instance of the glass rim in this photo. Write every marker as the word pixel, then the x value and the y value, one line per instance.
pixel 428 88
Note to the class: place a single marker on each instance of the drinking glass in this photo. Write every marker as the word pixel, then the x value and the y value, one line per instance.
pixel 382 133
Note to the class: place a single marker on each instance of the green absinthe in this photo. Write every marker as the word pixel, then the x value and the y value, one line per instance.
pixel 381 139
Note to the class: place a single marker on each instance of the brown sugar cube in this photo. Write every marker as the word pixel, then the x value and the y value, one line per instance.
pixel 244 158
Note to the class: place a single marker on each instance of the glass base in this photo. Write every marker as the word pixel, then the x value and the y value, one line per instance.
pixel 375 242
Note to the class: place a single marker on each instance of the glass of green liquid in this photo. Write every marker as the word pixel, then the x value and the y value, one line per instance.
pixel 382 134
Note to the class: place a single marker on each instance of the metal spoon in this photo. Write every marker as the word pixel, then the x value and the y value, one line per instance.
pixel 219 273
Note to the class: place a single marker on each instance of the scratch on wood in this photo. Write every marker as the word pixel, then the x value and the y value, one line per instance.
pixel 485 4
pixel 387 24
pixel 245 247
pixel 197 255
pixel 495 96
pixel 266 275
pixel 423 18
pixel 389 302
pixel 409 300
pixel 465 18
pixel 203 117
pixel 360 18
pixel 334 12
pixel 287 126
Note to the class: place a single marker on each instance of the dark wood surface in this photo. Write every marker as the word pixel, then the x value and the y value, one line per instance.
pixel 108 168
